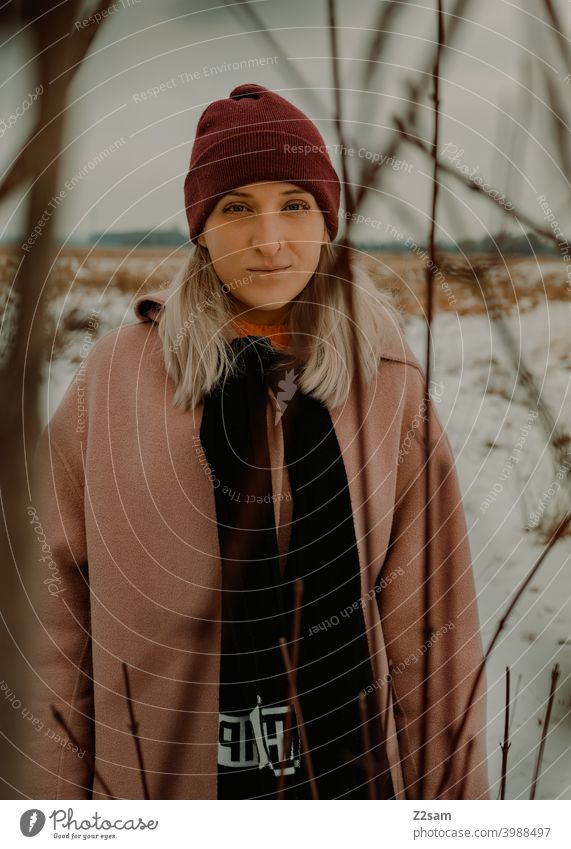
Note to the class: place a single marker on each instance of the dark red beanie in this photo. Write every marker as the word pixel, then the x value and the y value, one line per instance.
pixel 251 136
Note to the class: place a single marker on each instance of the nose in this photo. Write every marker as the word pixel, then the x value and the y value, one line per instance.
pixel 266 233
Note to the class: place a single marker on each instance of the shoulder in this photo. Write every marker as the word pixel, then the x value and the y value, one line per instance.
pixel 401 378
pixel 383 319
pixel 129 340
pixel 394 345
pixel 123 345
pixel 401 395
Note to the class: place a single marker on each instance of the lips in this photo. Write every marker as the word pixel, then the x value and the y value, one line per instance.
pixel 269 270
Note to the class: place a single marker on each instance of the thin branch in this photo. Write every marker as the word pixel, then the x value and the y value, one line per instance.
pixel 430 278
pixel 469 748
pixel 512 717
pixel 296 627
pixel 561 130
pixel 500 202
pixel 366 179
pixel 525 378
pixel 301 83
pixel 387 12
pixel 337 95
pixel 366 738
pixel 555 536
pixel 561 39
pixel 506 744
pixel 416 88
pixel 544 730
pixel 59 718
pixel 134 729
pixel 300 723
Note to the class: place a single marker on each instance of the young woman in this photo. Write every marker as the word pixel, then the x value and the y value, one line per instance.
pixel 235 485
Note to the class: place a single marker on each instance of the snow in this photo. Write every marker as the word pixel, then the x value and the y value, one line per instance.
pixel 106 310
pixel 489 420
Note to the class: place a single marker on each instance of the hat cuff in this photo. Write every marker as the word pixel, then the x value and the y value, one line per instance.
pixel 255 156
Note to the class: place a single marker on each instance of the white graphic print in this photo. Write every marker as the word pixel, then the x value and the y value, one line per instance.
pixel 287 389
pixel 257 739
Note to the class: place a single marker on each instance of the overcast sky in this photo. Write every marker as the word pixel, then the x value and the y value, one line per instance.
pixel 190 48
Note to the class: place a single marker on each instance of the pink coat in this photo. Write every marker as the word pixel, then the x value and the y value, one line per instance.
pixel 131 573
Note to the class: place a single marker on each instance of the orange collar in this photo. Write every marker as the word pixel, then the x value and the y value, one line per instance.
pixel 277 333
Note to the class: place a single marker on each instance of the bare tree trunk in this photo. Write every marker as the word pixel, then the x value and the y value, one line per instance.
pixel 58 51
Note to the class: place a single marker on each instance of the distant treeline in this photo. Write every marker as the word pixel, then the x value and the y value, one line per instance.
pixel 525 245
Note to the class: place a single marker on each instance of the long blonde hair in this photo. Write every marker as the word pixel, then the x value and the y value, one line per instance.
pixel 196 327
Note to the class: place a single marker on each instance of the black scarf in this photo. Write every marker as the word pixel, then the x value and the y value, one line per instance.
pixel 334 664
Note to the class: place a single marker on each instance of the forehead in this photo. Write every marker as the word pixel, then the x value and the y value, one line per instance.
pixel 274 189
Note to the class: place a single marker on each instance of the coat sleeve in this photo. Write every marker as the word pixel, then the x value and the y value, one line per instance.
pixel 60 639
pixel 449 637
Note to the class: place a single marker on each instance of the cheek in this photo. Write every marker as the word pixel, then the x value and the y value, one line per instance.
pixel 309 256
pixel 225 263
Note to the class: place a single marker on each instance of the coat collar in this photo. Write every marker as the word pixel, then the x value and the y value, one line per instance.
pixel 147 308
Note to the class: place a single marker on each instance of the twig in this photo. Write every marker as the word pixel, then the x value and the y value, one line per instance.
pixel 560 126
pixel 365 181
pixel 387 11
pixel 416 88
pixel 300 723
pixel 134 729
pixel 562 40
pixel 297 598
pixel 91 760
pixel 512 716
pixel 554 679
pixel 515 213
pixel 522 116
pixel 393 700
pixel 366 738
pixel 556 534
pixel 337 95
pixel 535 396
pixel 506 744
pixel 430 276
pixel 301 83
pixel 469 748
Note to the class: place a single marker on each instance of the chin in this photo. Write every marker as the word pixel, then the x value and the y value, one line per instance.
pixel 273 307
pixel 264 303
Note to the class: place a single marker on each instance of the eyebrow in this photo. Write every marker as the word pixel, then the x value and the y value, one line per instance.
pixel 287 192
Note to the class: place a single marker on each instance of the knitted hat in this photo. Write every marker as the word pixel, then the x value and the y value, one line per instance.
pixel 255 135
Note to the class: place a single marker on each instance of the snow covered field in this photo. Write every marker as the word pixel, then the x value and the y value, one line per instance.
pixel 511 481
pixel 489 422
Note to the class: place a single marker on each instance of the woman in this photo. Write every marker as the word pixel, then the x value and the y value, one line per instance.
pixel 247 493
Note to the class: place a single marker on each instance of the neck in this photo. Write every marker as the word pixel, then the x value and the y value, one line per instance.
pixel 263 317
pixel 249 322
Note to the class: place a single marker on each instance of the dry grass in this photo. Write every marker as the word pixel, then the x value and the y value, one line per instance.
pixel 518 282
pixel 127 269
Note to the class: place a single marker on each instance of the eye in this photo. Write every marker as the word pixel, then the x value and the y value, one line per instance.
pixel 237 207
pixel 301 203
pixel 231 207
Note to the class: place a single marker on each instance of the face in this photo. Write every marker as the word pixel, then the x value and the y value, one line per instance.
pixel 264 241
